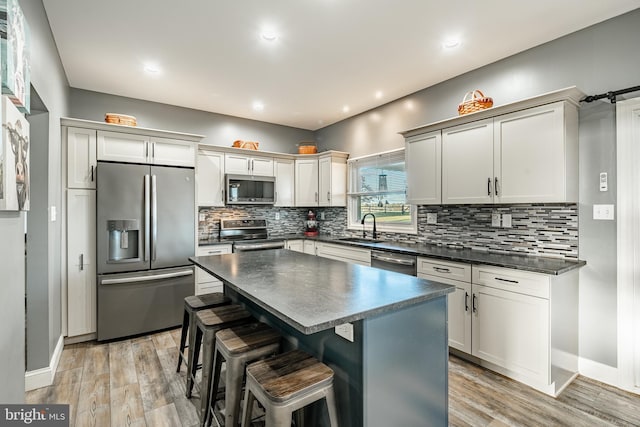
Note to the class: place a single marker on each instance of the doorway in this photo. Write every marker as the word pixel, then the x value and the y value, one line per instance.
pixel 628 159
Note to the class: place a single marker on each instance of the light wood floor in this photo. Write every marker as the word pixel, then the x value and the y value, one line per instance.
pixel 133 383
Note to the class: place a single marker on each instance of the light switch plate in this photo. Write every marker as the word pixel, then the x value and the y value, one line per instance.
pixel 506 220
pixel 277 215
pixel 603 181
pixel 605 212
pixel 432 218
pixel 345 331
pixel 54 213
pixel 495 220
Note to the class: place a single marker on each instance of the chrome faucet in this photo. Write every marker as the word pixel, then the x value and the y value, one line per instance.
pixel 364 233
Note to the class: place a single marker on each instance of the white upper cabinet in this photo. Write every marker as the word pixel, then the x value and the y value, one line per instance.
pixel 332 181
pixel 210 178
pixel 81 158
pixel 284 170
pixel 306 182
pixel 537 155
pixel 240 164
pixel 467 163
pixel 135 148
pixel 423 155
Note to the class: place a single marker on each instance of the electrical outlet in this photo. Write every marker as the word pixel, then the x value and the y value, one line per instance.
pixel 495 220
pixel 432 218
pixel 603 212
pixel 322 215
pixel 277 215
pixel 506 220
pixel 345 331
pixel 54 213
pixel 202 217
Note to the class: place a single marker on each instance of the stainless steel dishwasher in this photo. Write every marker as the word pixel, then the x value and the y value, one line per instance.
pixel 400 263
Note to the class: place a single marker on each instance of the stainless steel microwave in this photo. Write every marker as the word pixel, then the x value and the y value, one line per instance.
pixel 250 189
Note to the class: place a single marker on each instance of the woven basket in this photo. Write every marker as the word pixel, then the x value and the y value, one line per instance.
pixel 474 101
pixel 120 119
pixel 307 148
pixel 250 145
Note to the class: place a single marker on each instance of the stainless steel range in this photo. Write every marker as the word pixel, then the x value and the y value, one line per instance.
pixel 248 234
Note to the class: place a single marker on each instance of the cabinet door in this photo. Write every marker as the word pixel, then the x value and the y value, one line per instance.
pixel 172 152
pixel 210 178
pixel 423 155
pixel 324 181
pixel 306 182
pixel 309 247
pixel 332 182
pixel 122 147
pixel 467 163
pixel 295 245
pixel 284 173
pixel 511 330
pixel 237 164
pixel 81 158
pixel 81 265
pixel 262 166
pixel 531 154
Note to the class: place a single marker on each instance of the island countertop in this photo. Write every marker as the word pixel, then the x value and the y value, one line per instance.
pixel 313 293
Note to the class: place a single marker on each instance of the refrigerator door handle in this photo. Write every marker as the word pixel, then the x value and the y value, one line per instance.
pixel 154 218
pixel 150 278
pixel 147 207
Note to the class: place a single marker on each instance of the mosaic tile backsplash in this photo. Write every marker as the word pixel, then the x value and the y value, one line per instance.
pixel 549 230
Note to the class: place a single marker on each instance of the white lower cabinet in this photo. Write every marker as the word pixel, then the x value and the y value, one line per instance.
pixel 309 247
pixel 295 245
pixel 343 253
pixel 206 283
pixel 81 267
pixel 521 324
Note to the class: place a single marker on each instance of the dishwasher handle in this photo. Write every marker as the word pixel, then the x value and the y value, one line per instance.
pixel 393 259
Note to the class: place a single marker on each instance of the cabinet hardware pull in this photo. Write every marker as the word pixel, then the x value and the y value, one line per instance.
pixel 506 280
pixel 214 252
pixel 488 186
pixel 81 262
pixel 442 270
pixel 275 198
pixel 496 186
pixel 328 196
pixel 474 306
pixel 316 196
pixel 146 150
pixel 91 173
pixel 466 301
pixel 222 195
pixel 153 150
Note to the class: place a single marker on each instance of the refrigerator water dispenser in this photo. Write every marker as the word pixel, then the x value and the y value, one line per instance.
pixel 123 240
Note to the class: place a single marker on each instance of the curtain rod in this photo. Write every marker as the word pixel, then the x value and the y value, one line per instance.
pixel 611 95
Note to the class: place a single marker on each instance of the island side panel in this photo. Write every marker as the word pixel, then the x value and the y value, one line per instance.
pixel 344 357
pixel 405 367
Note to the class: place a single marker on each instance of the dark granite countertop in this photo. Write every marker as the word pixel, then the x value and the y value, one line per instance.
pixel 313 293
pixel 536 264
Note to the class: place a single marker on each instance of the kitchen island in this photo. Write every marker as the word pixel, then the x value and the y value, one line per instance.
pixel 394 369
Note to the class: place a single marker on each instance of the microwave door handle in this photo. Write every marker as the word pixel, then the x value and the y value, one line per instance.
pixel 147 217
pixel 154 218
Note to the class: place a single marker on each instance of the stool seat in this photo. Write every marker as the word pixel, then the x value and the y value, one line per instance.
pixel 239 346
pixel 286 376
pixel 193 304
pixel 221 315
pixel 287 383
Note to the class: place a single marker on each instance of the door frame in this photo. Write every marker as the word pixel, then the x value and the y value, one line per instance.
pixel 628 243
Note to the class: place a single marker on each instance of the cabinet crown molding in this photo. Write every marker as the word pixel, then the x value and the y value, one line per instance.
pixel 570 94
pixel 134 130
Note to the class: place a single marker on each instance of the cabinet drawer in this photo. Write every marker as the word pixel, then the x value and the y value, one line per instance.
pixel 524 282
pixel 213 250
pixel 445 269
pixel 342 253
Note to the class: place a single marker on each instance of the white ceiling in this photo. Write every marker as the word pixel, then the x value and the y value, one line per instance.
pixel 329 53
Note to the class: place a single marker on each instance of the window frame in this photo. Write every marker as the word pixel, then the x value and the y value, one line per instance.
pixel 352 196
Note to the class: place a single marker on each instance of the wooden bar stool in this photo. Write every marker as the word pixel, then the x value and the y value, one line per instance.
pixel 239 346
pixel 193 304
pixel 208 322
pixel 285 383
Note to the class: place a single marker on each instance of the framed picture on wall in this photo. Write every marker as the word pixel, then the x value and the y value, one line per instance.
pixel 15 54
pixel 14 159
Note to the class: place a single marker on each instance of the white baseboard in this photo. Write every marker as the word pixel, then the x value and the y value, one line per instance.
pixel 43 377
pixel 599 371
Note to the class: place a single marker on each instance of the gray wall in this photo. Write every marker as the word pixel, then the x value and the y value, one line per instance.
pixel 218 129
pixel 49 81
pixel 596 60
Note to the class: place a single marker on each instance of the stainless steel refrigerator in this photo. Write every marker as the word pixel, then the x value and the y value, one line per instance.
pixel 145 235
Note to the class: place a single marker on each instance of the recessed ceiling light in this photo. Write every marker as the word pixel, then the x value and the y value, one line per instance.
pixel 269 35
pixel 379 94
pixel 151 68
pixel 451 44
pixel 345 109
pixel 258 106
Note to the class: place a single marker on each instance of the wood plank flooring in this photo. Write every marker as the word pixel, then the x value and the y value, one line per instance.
pixel 133 383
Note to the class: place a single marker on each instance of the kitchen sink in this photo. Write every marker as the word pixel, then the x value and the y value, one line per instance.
pixel 359 240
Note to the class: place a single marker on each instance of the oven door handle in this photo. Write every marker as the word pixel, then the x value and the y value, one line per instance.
pixel 257 247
